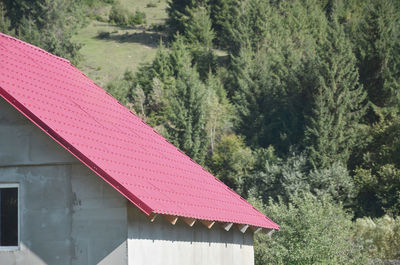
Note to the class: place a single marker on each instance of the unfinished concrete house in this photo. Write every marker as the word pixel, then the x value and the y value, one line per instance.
pixel 85 181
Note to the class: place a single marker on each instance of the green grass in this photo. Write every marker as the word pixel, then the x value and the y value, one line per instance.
pixel 125 48
pixel 156 15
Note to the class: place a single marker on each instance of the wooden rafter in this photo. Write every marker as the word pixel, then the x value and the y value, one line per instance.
pixel 171 218
pixel 189 221
pixel 268 231
pixel 227 226
pixel 255 229
pixel 242 228
pixel 152 217
pixel 207 223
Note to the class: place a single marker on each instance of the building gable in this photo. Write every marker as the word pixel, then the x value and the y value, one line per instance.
pixel 113 142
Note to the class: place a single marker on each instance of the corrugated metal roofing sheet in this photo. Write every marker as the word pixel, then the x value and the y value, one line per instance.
pixel 116 144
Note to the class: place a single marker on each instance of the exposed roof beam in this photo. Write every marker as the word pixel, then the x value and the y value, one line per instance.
pixel 268 231
pixel 189 221
pixel 171 218
pixel 255 229
pixel 226 226
pixel 242 228
pixel 152 216
pixel 207 223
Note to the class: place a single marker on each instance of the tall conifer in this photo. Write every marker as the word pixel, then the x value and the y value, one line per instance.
pixel 186 119
pixel 337 100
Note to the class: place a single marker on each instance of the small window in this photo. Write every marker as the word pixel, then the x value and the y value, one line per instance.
pixel 9 235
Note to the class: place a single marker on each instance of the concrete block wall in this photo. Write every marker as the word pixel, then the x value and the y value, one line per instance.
pixel 161 243
pixel 69 215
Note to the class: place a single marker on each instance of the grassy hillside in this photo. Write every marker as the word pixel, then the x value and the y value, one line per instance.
pixel 108 50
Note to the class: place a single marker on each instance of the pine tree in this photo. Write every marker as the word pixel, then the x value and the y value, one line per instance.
pixel 377 40
pixel 186 121
pixel 178 14
pixel 47 24
pixel 224 16
pixel 199 36
pixel 337 100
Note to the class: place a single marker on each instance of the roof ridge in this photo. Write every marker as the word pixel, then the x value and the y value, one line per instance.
pixel 34 47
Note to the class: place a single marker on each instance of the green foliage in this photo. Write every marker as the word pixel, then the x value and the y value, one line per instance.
pixel 337 99
pixel 313 231
pixel 5 23
pixel 137 18
pixel 186 118
pixel 118 15
pixel 232 160
pixel 198 29
pixel 121 16
pixel 199 36
pixel 380 237
pixel 281 178
pixel 151 5
pixel 178 14
pixel 219 111
pixel 271 102
pixel 268 84
pixel 376 35
pixel 279 115
pixel 47 24
pixel 224 16
pixel 377 172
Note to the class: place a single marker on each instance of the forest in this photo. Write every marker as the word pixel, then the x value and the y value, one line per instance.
pixel 294 104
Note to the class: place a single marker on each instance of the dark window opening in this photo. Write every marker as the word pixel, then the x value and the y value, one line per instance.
pixel 8 216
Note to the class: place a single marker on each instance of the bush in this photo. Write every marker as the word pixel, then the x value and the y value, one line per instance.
pixel 118 15
pixel 313 231
pixel 137 18
pixel 103 35
pixel 380 237
pixel 100 18
pixel 122 17
pixel 151 4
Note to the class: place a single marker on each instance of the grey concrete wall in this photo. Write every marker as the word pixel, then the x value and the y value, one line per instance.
pixel 68 215
pixel 22 143
pixel 162 243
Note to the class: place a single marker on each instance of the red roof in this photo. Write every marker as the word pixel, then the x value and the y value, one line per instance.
pixel 112 141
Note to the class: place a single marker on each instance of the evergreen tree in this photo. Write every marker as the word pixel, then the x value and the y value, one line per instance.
pixel 267 87
pixel 377 169
pixel 198 29
pixel 268 100
pixel 178 14
pixel 47 24
pixel 224 16
pixel 337 100
pixel 376 36
pixel 199 37
pixel 186 121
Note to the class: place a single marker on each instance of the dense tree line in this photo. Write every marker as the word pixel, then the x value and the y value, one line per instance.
pixel 311 89
pixel 292 103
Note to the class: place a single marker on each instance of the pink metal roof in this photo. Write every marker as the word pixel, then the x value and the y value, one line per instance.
pixel 113 142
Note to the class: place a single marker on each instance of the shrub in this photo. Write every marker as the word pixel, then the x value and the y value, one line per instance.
pixel 137 18
pixel 151 4
pixel 100 18
pixel 313 231
pixel 103 35
pixel 118 15
pixel 380 237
